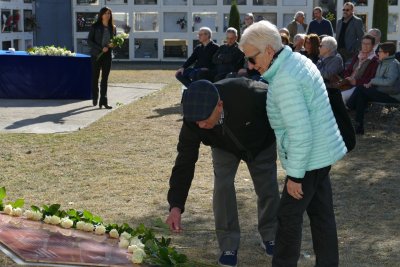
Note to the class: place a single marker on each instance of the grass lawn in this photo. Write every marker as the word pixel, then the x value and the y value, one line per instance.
pixel 119 167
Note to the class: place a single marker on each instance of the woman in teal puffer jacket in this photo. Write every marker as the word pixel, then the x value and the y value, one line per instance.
pixel 308 140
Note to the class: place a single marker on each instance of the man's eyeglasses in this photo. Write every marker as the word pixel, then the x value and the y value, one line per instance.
pixel 252 59
pixel 344 9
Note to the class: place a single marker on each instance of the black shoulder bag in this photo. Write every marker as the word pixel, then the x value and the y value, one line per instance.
pixel 342 118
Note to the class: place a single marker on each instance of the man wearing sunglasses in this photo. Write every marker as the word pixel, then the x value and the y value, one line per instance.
pixel 349 31
pixel 230 117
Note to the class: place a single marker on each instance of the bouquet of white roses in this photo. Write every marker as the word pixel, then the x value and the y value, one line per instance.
pixel 117 41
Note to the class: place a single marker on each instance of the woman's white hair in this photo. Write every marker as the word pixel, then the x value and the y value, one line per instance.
pixel 329 43
pixel 207 30
pixel 260 35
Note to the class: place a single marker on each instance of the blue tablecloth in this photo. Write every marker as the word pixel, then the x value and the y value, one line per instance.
pixel 23 76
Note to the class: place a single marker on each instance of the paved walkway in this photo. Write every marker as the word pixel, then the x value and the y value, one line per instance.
pixel 56 116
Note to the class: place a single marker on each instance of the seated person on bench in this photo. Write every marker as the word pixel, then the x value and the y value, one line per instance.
pixel 383 87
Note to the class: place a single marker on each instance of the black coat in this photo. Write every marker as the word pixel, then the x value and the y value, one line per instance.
pixel 228 58
pixel 245 115
pixel 96 36
pixel 202 56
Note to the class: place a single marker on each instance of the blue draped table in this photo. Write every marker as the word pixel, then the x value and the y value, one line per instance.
pixel 23 76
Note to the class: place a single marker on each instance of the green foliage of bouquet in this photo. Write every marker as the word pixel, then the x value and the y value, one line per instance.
pixel 117 41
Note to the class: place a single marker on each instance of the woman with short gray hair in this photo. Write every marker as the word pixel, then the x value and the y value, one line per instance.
pixel 308 139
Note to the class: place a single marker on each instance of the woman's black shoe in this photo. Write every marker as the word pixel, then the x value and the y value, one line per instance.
pixel 94 102
pixel 105 106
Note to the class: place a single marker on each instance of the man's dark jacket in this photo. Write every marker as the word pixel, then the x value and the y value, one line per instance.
pixel 202 56
pixel 228 58
pixel 244 114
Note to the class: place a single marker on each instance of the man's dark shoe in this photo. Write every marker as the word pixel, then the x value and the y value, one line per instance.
pixel 269 247
pixel 228 258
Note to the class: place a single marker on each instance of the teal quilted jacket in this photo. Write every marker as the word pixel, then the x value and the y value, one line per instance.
pixel 298 109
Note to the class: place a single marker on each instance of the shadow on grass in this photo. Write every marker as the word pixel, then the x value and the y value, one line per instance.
pixel 161 112
pixel 56 118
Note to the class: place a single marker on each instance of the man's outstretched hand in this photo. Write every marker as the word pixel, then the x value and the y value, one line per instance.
pixel 174 220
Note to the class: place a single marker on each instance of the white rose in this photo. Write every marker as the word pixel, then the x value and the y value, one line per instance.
pixel 88 227
pixel 132 248
pixel 66 223
pixel 8 209
pixel 136 241
pixel 37 216
pixel 123 243
pixel 29 214
pixel 138 255
pixel 100 230
pixel 114 233
pixel 79 225
pixel 126 235
pixel 55 220
pixel 17 212
pixel 47 219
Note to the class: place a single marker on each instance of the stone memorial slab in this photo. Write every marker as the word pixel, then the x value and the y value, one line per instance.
pixel 36 242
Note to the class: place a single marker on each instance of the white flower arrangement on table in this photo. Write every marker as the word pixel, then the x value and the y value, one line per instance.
pixel 140 242
pixel 50 51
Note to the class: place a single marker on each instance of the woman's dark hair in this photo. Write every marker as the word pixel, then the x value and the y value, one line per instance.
pixel 100 16
pixel 369 37
pixel 388 47
pixel 314 41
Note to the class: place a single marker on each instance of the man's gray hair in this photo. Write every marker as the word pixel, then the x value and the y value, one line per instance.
pixel 330 43
pixel 377 32
pixel 299 36
pixel 206 29
pixel 298 14
pixel 349 4
pixel 260 35
pixel 232 30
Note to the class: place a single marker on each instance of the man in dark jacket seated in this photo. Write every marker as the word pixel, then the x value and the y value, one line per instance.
pixel 199 65
pixel 228 58
pixel 229 116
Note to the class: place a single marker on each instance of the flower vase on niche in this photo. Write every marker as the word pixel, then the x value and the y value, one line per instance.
pixel 126 28
pixel 137 45
pixel 197 19
pixel 182 23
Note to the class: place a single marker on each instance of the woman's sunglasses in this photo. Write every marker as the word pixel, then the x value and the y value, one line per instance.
pixel 252 59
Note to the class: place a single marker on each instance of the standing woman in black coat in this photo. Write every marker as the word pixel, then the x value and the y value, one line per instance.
pixel 99 40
